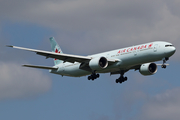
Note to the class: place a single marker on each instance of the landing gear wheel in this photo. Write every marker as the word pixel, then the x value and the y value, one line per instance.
pixel 163 66
pixel 117 80
pixel 97 75
pixel 93 76
pixel 164 61
pixel 121 79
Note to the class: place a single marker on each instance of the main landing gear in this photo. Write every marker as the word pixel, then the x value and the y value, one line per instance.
pixel 164 61
pixel 93 76
pixel 121 79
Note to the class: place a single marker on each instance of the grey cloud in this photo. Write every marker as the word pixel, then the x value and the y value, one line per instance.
pixel 99 26
pixel 130 95
pixel 163 106
pixel 137 101
pixel 173 6
pixel 83 15
pixel 124 104
pixel 17 82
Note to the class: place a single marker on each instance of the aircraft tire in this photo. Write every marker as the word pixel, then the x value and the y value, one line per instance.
pixel 117 80
pixel 89 77
pixel 163 66
pixel 97 75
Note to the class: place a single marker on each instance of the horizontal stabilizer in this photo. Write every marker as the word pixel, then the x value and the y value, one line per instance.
pixel 41 67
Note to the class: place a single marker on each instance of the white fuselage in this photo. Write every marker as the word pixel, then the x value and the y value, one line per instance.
pixel 127 58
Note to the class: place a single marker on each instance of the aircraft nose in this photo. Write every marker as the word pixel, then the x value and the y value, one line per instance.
pixel 172 50
pixel 169 51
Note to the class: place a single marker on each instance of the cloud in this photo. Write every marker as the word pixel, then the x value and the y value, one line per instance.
pixel 81 15
pixel 98 26
pixel 87 27
pixel 163 106
pixel 18 82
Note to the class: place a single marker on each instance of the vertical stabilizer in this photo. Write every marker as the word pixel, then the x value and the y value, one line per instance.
pixel 55 48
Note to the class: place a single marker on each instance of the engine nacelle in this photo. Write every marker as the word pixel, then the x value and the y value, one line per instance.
pixel 148 69
pixel 98 63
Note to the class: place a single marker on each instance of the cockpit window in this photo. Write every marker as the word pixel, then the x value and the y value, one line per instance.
pixel 168 45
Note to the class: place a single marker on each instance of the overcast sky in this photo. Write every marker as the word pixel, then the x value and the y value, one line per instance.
pixel 85 27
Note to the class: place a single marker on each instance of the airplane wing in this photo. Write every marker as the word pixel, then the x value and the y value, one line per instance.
pixel 64 57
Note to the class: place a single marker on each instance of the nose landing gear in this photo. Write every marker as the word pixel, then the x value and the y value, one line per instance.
pixel 164 61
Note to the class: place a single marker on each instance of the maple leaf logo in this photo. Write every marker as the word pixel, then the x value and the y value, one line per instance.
pixel 150 45
pixel 56 51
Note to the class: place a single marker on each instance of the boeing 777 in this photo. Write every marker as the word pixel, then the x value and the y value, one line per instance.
pixel 139 57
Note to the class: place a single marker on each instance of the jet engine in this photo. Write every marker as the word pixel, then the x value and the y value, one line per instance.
pixel 148 69
pixel 98 63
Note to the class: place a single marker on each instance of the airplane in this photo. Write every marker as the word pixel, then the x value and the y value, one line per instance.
pixel 119 61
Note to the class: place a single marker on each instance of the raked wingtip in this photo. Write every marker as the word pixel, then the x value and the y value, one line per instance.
pixel 9 46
